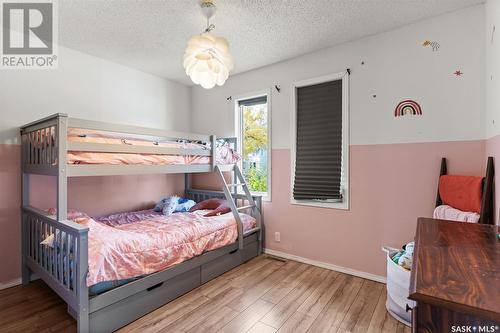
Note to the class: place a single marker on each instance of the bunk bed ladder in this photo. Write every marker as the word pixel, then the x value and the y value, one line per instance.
pixel 239 181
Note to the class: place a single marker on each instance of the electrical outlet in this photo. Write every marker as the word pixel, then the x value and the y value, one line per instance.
pixel 277 236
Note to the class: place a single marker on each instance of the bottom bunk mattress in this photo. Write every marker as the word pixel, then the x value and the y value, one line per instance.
pixel 127 246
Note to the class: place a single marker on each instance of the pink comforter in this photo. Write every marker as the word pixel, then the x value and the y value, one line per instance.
pixel 153 244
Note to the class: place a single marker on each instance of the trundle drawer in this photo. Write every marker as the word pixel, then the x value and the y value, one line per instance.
pixel 224 263
pixel 111 317
pixel 250 251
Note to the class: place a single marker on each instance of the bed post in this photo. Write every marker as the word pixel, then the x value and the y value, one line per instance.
pixel 487 215
pixel 187 182
pixel 82 293
pixel 258 202
pixel 213 142
pixel 235 176
pixel 62 179
pixel 443 171
pixel 82 315
pixel 25 271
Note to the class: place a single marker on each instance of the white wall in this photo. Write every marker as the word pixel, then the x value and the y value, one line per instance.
pixel 492 9
pixel 88 87
pixel 397 67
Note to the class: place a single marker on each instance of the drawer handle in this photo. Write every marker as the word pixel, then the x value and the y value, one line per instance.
pixel 233 251
pixel 155 286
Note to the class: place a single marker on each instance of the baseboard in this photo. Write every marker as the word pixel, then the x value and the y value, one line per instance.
pixel 332 267
pixel 11 283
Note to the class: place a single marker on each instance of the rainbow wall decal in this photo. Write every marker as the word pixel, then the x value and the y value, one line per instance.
pixel 408 107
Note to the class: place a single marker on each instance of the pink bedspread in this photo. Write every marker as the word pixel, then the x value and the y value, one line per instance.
pixel 155 243
pixel 224 154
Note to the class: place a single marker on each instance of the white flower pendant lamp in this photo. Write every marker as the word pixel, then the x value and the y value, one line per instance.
pixel 207 60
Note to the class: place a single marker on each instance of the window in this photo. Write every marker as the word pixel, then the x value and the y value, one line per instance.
pixel 253 129
pixel 320 147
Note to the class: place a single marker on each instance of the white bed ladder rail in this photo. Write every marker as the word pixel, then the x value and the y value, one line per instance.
pixel 239 180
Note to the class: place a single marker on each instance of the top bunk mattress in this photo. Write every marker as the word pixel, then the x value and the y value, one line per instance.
pixel 224 153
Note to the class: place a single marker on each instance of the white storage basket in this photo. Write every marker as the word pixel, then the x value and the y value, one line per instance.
pixel 398 289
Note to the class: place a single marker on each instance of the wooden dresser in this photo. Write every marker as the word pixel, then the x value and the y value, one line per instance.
pixel 455 278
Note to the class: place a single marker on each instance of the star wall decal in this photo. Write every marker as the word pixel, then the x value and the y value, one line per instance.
pixel 458 73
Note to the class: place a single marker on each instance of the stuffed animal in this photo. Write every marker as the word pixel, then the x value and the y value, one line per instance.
pixel 170 205
pixel 404 257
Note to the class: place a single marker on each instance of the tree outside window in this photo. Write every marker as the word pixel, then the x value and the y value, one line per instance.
pixel 255 146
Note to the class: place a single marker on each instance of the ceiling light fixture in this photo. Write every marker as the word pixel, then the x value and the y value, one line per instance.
pixel 207 60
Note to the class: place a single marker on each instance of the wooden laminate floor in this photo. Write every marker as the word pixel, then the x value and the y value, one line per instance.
pixel 263 295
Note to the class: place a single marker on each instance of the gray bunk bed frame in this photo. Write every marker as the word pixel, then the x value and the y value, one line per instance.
pixel 44 151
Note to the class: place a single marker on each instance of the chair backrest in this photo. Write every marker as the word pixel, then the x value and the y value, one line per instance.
pixel 462 192
pixel 468 200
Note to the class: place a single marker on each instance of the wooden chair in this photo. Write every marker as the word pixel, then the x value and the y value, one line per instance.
pixel 486 214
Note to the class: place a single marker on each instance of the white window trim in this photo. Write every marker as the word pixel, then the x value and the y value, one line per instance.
pixel 238 128
pixel 344 76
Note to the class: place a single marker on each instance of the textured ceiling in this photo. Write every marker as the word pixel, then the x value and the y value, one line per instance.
pixel 151 35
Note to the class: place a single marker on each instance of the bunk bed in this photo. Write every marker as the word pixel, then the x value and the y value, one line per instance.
pixel 58 146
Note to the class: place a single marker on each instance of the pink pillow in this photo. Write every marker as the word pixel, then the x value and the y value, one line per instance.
pixel 219 207
pixel 72 214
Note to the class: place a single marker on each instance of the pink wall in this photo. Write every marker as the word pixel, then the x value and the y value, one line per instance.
pixel 93 195
pixel 105 195
pixel 10 215
pixel 391 185
pixel 493 149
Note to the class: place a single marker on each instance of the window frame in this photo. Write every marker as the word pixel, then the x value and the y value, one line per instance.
pixel 344 76
pixel 238 125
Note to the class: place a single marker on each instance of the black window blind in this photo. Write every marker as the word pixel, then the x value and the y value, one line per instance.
pixel 253 101
pixel 318 156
